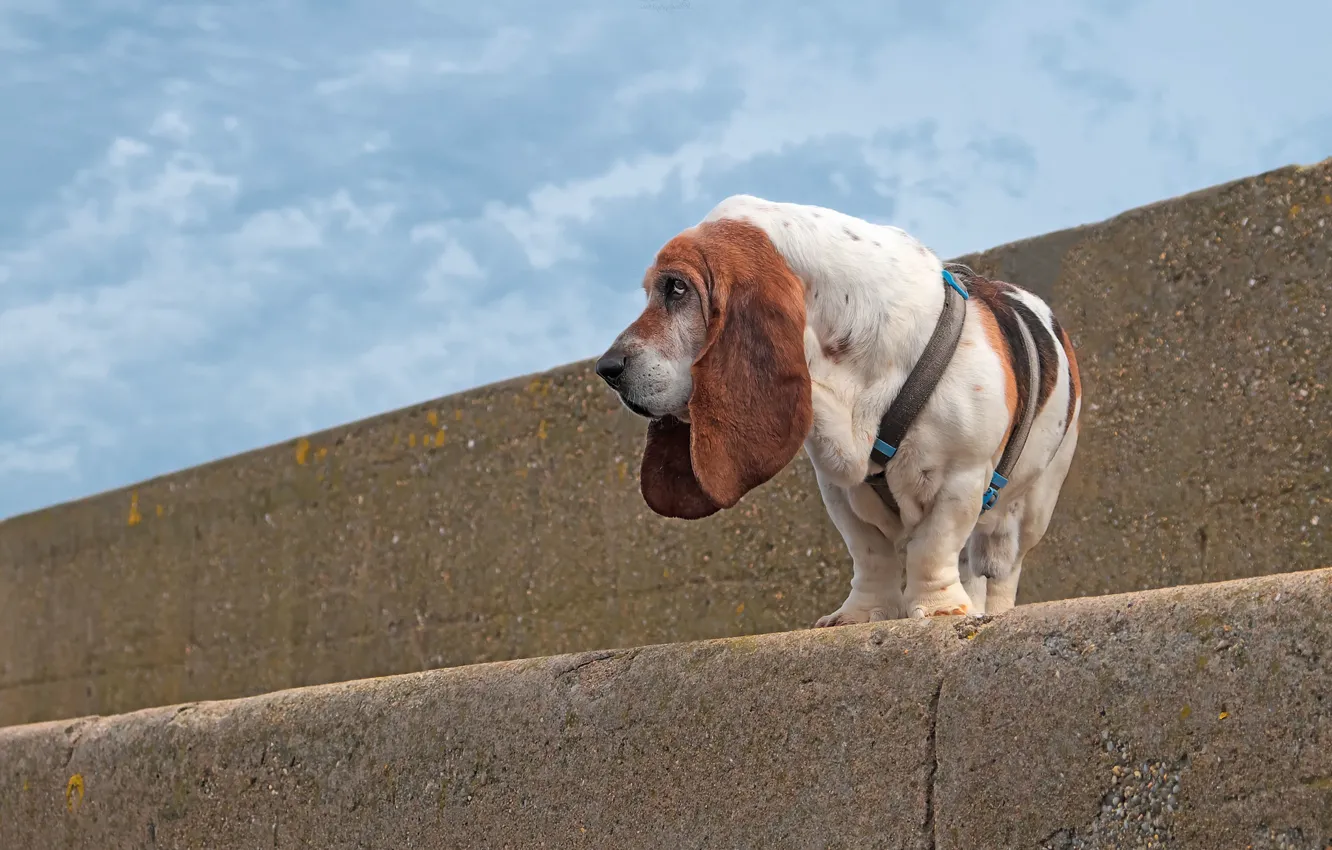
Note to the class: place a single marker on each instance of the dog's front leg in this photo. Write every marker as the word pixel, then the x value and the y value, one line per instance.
pixel 840 455
pixel 934 586
pixel 876 569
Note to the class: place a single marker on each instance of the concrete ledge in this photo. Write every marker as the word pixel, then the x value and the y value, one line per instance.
pixel 1187 717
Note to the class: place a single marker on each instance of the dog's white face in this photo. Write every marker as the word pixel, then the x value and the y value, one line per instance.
pixel 650 363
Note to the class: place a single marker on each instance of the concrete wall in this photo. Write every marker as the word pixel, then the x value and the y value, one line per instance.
pixel 506 522
pixel 1181 718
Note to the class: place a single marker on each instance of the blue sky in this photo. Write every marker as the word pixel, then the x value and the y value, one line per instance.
pixel 222 226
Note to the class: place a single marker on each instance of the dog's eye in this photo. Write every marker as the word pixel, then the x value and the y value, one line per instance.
pixel 676 289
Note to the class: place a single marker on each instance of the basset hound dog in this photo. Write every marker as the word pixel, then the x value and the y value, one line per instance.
pixel 771 326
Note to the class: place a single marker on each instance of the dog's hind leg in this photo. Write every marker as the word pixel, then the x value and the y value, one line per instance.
pixel 996 559
pixel 971 582
pixel 999 556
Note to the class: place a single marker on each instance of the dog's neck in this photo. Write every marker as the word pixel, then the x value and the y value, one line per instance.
pixel 882 323
pixel 872 307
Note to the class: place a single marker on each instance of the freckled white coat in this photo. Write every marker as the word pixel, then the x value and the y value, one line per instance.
pixel 873 295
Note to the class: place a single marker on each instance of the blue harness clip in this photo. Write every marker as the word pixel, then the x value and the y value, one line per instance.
pixel 882 452
pixel 952 281
pixel 997 482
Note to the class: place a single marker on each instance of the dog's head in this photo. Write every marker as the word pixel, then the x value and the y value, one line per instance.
pixel 716 363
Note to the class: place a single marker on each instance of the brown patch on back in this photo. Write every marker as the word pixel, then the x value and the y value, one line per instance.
pixel 751 408
pixel 995 338
pixel 1009 315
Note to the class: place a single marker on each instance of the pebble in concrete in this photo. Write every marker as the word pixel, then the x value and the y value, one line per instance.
pixel 1138 811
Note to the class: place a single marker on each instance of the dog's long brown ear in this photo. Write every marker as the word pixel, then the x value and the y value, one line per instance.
pixel 751 409
pixel 667 477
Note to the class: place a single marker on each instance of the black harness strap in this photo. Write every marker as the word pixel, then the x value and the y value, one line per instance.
pixel 1018 440
pixel 925 376
pixel 919 385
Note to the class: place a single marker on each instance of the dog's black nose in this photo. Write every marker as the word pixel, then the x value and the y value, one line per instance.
pixel 611 366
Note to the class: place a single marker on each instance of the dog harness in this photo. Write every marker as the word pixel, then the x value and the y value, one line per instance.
pixel 924 377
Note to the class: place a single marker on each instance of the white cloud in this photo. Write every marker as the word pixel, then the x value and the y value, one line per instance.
pixel 29 456
pixel 370 219
pixel 287 228
pixel 123 151
pixel 420 64
pixel 452 278
pixel 541 226
pixel 646 86
pixel 171 125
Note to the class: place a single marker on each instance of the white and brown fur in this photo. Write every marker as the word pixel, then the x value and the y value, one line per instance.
pixel 714 362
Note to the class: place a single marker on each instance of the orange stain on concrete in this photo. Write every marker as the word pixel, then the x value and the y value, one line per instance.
pixel 411 440
pixel 302 451
pixel 433 418
pixel 541 430
pixel 74 792
pixel 322 453
pixel 457 415
pixel 160 510
pixel 439 437
pixel 134 516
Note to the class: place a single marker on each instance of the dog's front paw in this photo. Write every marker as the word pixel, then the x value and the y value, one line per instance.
pixel 950 601
pixel 849 614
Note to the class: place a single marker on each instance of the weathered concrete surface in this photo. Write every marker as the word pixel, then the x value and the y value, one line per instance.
pixel 506 522
pixel 1179 718
pixel 809 740
pixel 1023 733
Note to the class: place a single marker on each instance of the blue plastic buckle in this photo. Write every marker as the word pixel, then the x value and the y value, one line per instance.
pixel 951 281
pixel 880 450
pixel 997 482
